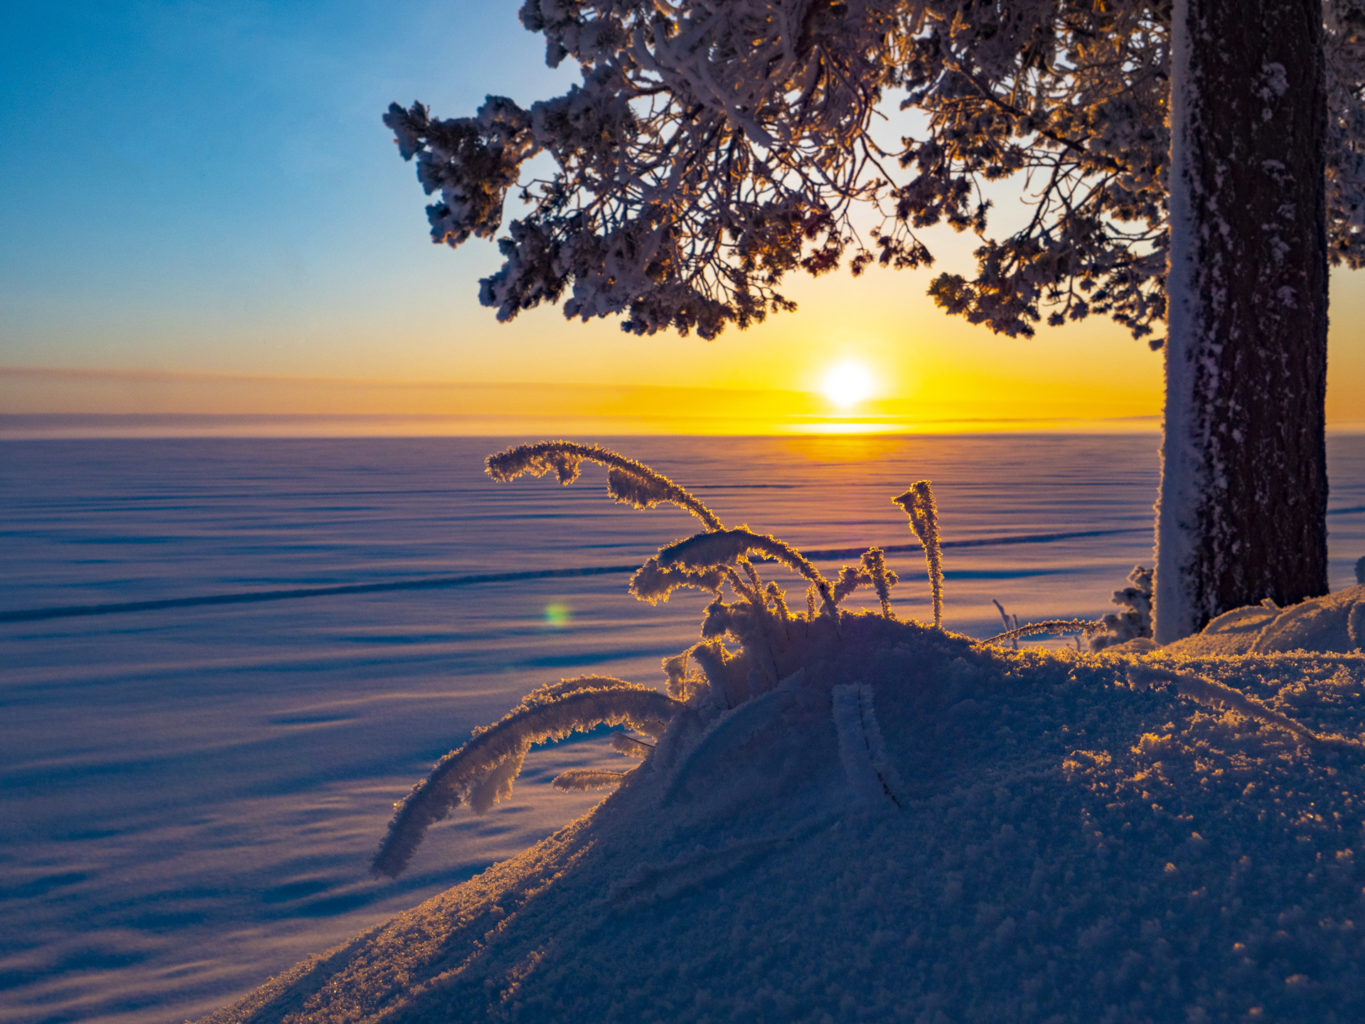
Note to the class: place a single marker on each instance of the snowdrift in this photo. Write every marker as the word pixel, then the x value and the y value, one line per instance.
pixel 918 827
pixel 1335 622
pixel 855 818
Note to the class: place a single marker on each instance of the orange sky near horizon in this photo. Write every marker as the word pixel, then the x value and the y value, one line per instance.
pixel 542 375
pixel 270 271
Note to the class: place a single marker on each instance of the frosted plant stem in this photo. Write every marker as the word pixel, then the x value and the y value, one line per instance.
pixel 862 751
pixel 571 706
pixel 629 481
pixel 1040 628
pixel 1005 618
pixel 587 778
pixel 563 457
pixel 721 546
pixel 918 503
pixel 874 564
pixel 782 613
pixel 653 582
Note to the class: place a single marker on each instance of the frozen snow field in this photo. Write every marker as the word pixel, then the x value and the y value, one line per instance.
pixel 1046 836
pixel 222 661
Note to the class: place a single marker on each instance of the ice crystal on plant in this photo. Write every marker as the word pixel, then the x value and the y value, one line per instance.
pixel 772 643
pixel 482 771
pixel 587 778
pixel 882 578
pixel 918 503
pixel 754 648
pixel 1134 617
pixel 628 481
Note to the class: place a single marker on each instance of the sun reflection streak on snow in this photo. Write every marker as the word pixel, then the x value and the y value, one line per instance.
pixel 849 427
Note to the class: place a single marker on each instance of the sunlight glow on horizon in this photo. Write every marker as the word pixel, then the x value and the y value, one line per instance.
pixel 847 383
pixel 354 323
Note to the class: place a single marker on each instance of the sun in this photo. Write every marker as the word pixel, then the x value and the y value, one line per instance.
pixel 847 383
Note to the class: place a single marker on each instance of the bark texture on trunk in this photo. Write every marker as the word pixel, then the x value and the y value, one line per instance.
pixel 1242 509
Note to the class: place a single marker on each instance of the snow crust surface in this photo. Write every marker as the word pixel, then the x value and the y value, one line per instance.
pixel 221 661
pixel 1061 836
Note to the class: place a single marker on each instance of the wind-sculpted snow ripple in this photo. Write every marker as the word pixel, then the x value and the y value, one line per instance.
pixel 476 579
pixel 271 735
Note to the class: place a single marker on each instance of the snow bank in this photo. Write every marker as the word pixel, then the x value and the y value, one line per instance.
pixel 1022 835
pixel 1335 622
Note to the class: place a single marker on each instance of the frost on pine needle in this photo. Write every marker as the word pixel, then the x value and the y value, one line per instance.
pixel 918 503
pixel 482 771
pixel 628 481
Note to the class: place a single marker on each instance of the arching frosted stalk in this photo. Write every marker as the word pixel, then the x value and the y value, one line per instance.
pixel 1042 628
pixel 464 774
pixel 1210 691
pixel 630 482
pixel 654 583
pixel 722 546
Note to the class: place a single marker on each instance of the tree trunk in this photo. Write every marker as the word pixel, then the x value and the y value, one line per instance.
pixel 1241 515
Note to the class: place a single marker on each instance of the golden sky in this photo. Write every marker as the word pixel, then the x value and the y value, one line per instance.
pixel 271 268
pixel 542 375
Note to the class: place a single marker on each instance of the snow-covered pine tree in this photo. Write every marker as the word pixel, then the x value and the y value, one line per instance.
pixel 713 146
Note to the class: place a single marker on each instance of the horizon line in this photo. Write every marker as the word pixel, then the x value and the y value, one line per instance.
pixel 160 425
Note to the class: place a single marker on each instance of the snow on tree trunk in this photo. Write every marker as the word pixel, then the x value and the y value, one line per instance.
pixel 1241 515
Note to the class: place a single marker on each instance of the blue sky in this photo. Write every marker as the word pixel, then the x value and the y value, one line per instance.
pixel 220 168
pixel 202 212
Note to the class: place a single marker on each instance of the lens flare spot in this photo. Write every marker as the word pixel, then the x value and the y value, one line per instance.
pixel 557 615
